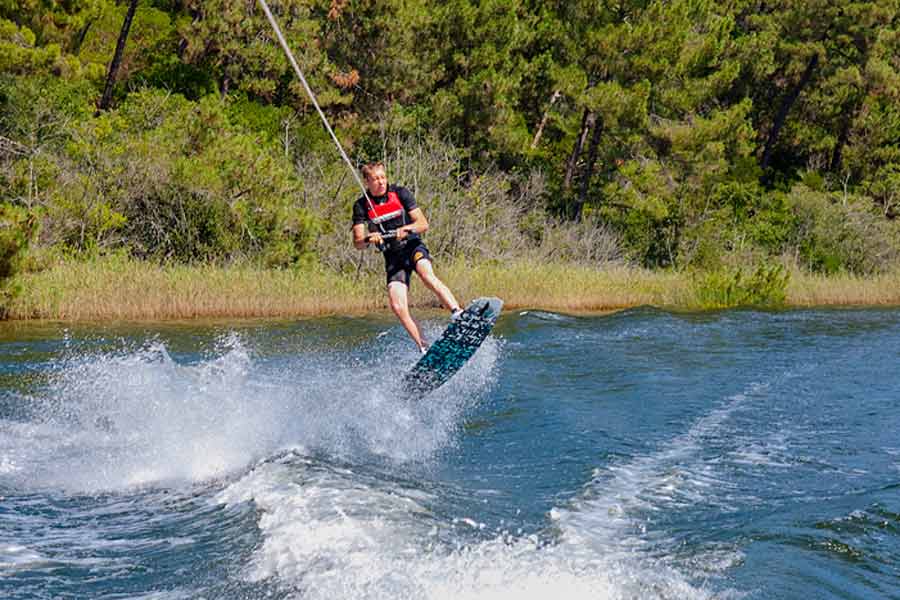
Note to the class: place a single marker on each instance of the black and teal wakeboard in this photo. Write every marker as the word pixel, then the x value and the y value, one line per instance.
pixel 457 344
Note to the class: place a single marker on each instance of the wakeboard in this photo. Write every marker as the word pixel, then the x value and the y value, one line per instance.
pixel 457 344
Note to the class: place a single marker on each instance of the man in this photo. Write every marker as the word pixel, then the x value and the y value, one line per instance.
pixel 390 219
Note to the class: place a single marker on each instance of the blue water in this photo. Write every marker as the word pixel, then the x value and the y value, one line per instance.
pixel 637 455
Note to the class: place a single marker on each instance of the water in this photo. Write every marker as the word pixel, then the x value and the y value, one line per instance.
pixel 636 455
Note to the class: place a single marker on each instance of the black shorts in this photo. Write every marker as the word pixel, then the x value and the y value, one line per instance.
pixel 400 264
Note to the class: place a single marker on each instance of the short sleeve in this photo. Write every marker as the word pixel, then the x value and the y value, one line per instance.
pixel 407 199
pixel 359 212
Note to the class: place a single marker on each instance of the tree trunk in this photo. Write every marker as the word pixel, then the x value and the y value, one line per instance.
pixel 837 156
pixel 540 129
pixel 785 108
pixel 576 150
pixel 117 58
pixel 79 40
pixel 589 166
pixel 843 136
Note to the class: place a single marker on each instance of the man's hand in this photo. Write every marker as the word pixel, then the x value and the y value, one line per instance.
pixel 375 238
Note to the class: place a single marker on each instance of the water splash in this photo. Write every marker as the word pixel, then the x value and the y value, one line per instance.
pixel 135 416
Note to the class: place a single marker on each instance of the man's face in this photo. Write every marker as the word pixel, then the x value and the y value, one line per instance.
pixel 376 182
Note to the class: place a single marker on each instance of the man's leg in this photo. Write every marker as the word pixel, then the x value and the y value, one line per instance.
pixel 399 299
pixel 443 293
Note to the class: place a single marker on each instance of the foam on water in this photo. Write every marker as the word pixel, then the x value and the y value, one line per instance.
pixel 134 417
pixel 330 532
pixel 546 316
pixel 615 513
pixel 15 556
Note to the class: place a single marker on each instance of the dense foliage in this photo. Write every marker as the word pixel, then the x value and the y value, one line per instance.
pixel 676 133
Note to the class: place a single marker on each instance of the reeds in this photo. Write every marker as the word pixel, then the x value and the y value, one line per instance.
pixel 124 289
pixel 809 289
pixel 132 290
pixel 566 287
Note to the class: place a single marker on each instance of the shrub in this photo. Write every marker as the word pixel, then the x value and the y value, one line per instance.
pixel 841 232
pixel 477 218
pixel 764 286
pixel 586 242
pixel 17 228
pixel 172 179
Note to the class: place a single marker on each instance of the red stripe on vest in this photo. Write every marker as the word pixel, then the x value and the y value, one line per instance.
pixel 390 209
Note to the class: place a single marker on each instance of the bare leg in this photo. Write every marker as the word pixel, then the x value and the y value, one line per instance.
pixel 443 293
pixel 399 300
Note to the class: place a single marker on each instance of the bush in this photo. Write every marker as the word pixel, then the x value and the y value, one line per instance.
pixel 172 179
pixel 840 232
pixel 586 242
pixel 477 218
pixel 764 286
pixel 740 223
pixel 17 228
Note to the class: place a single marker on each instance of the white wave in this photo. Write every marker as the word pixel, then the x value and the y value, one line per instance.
pixel 336 533
pixel 547 316
pixel 8 465
pixel 136 417
pixel 764 453
pixel 615 514
pixel 15 556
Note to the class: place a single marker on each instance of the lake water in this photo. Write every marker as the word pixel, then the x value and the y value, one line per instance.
pixel 637 455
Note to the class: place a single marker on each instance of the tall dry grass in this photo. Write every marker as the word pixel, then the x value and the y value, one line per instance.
pixel 810 289
pixel 567 287
pixel 133 290
pixel 125 289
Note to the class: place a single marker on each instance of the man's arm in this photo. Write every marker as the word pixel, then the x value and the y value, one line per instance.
pixel 419 224
pixel 362 238
pixel 361 235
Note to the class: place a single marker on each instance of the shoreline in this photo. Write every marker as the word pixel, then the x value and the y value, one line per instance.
pixel 118 289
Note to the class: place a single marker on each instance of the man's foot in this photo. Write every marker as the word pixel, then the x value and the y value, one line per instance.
pixel 454 314
pixel 423 349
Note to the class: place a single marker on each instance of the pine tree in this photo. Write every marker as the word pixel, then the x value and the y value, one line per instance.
pixel 234 39
pixel 479 46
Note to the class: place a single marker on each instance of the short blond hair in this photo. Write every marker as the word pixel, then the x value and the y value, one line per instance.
pixel 371 167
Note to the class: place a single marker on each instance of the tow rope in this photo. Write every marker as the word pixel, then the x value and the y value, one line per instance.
pixel 312 97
